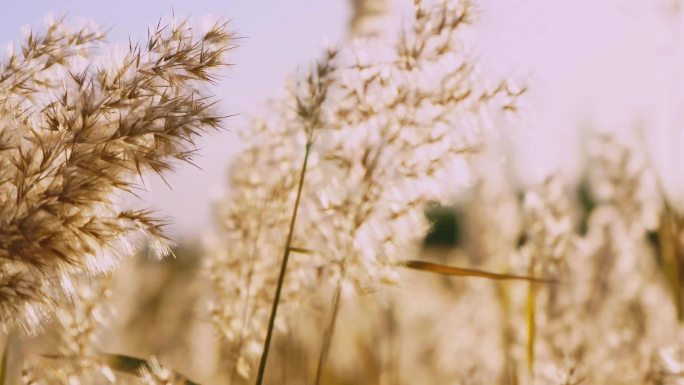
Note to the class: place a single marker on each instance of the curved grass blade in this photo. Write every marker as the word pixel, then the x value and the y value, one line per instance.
pixel 301 250
pixel 126 364
pixel 465 272
pixel 130 365
pixel 134 366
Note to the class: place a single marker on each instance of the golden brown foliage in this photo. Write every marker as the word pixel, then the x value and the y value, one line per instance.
pixel 73 134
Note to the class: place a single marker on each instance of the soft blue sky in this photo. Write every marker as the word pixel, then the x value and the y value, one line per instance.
pixel 609 62
pixel 278 36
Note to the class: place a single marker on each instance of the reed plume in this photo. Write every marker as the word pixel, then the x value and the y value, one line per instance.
pixel 385 123
pixel 74 135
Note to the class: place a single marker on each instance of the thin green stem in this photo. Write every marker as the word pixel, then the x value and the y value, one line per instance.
pixel 283 269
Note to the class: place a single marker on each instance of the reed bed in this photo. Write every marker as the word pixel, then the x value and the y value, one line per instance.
pixel 323 265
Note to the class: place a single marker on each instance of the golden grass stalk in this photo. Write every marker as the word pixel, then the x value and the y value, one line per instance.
pixel 3 362
pixel 671 253
pixel 531 323
pixel 329 331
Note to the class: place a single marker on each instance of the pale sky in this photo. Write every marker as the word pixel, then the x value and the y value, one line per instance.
pixel 608 63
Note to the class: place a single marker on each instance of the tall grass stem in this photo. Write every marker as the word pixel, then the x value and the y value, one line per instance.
pixel 283 269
